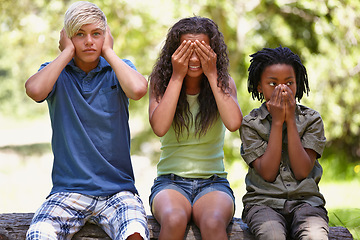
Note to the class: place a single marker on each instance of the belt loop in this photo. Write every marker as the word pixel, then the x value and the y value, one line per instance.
pixel 172 177
pixel 215 176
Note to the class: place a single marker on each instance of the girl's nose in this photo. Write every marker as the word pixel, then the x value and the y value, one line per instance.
pixel 194 57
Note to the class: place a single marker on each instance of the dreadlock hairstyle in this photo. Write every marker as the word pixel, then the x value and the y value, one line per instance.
pixel 280 55
pixel 162 71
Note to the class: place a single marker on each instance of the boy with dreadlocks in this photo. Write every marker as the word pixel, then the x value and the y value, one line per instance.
pixel 281 142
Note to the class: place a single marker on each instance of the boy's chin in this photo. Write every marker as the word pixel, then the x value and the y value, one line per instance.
pixel 87 63
pixel 89 59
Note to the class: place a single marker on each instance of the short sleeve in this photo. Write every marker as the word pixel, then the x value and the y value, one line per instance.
pixel 253 144
pixel 128 62
pixel 314 134
pixel 52 91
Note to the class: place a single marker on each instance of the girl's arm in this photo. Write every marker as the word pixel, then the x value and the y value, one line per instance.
pixel 39 85
pixel 162 110
pixel 227 103
pixel 132 82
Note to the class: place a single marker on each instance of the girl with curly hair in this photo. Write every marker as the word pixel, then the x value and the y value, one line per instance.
pixel 192 100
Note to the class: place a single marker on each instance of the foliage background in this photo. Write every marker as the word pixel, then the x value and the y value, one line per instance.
pixel 324 33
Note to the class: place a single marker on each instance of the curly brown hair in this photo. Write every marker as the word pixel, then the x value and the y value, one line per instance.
pixel 162 71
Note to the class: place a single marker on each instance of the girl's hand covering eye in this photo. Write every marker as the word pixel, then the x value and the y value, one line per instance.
pixel 180 58
pixel 207 57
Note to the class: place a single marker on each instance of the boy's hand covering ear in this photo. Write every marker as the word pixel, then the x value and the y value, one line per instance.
pixel 65 41
pixel 108 42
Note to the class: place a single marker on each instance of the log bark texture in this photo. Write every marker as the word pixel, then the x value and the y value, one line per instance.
pixel 13 226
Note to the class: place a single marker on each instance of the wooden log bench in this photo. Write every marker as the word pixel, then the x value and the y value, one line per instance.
pixel 13 226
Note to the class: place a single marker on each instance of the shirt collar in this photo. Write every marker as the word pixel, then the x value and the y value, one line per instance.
pixel 263 111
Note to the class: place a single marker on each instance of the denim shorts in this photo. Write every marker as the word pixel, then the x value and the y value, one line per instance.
pixel 191 188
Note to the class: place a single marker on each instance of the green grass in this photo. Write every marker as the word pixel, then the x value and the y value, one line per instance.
pixel 349 218
pixel 342 203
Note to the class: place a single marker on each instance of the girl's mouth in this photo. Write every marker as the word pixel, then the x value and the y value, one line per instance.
pixel 194 67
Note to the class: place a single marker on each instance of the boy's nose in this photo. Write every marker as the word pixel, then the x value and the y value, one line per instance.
pixel 88 39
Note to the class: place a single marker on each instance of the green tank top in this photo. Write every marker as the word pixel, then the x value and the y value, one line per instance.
pixel 191 156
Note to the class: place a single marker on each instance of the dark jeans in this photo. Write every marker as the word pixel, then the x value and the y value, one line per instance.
pixel 294 221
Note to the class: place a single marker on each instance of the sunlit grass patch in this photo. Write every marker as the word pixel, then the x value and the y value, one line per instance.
pixel 346 217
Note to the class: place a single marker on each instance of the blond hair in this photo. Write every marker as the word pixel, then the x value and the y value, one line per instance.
pixel 81 13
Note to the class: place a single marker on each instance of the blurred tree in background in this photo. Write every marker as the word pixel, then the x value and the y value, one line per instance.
pixel 324 33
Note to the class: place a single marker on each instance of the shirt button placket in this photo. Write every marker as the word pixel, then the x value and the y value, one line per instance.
pixel 286 175
pixel 86 84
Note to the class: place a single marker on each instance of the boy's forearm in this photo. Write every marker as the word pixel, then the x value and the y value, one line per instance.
pixel 268 164
pixel 301 162
pixel 132 82
pixel 39 85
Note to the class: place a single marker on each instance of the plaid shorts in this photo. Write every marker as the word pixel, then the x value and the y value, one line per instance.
pixel 64 213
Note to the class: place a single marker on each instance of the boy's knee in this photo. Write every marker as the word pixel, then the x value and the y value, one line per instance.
pixel 271 230
pixel 319 234
pixel 313 224
pixel 135 236
pixel 266 223
pixel 313 232
pixel 41 230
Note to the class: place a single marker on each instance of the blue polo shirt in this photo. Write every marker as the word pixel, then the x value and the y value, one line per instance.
pixel 91 138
